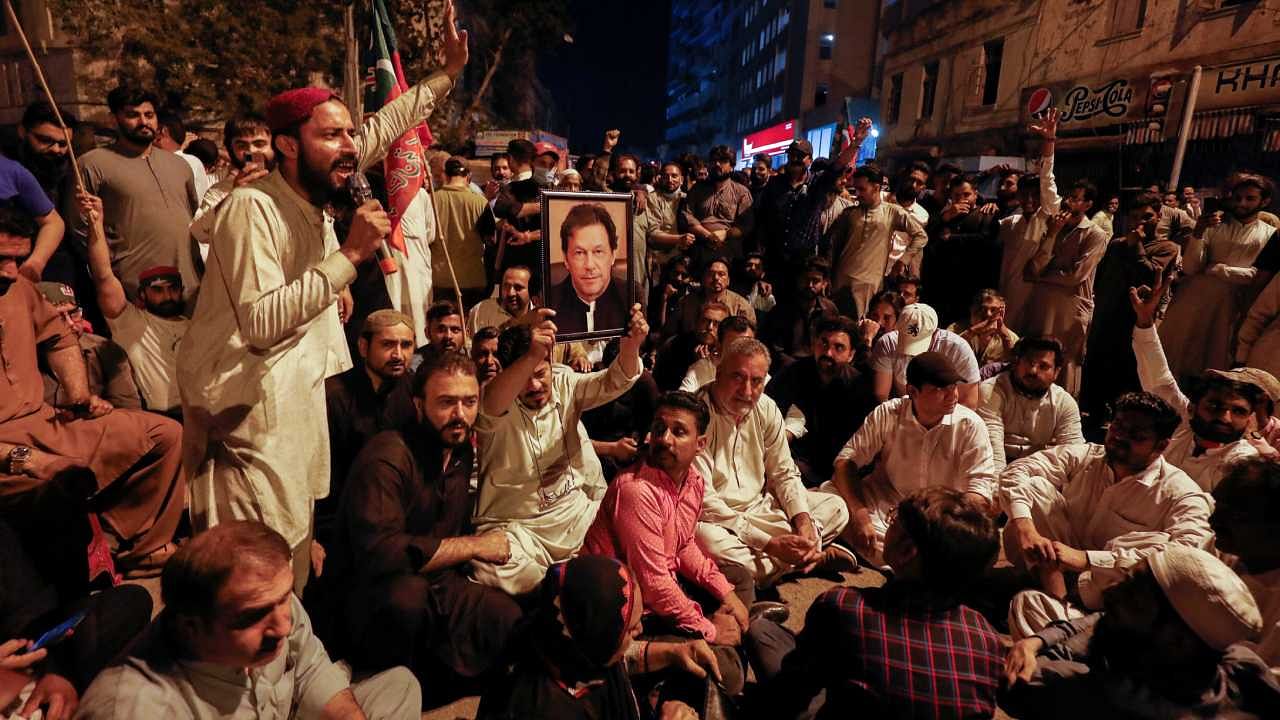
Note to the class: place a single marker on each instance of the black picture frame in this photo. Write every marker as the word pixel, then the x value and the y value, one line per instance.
pixel 558 287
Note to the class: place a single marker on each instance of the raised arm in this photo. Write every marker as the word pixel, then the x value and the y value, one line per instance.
pixel 1047 129
pixel 1153 366
pixel 507 385
pixel 111 297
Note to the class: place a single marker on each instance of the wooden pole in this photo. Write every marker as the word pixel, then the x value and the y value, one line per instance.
pixel 44 85
pixel 431 192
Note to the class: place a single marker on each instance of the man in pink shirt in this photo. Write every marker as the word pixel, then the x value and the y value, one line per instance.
pixel 648 520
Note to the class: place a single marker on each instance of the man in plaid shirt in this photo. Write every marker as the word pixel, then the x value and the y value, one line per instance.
pixel 908 649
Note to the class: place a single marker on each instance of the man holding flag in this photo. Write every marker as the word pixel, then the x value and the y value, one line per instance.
pixel 256 437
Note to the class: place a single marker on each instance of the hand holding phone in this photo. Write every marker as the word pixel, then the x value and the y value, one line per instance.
pixel 56 634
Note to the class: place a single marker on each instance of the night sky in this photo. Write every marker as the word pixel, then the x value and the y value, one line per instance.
pixel 613 75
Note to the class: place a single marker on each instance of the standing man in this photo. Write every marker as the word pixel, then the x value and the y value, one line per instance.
pixel 20 188
pixel 148 195
pixel 718 212
pixel 516 221
pixel 665 239
pixel 962 256
pixel 540 480
pixel 1019 234
pixel 459 210
pixel 862 239
pixel 247 140
pixel 256 439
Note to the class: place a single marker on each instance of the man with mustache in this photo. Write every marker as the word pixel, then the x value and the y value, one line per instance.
pixel 1024 408
pixel 369 398
pixel 717 212
pixel 1214 420
pixel 406 538
pixel 512 301
pixel 256 438
pixel 484 353
pixel 1093 512
pixel 149 196
pixel 110 373
pixel 234 641
pixel 149 328
pixel 26 184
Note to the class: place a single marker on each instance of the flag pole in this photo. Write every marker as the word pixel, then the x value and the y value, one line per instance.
pixel 44 85
pixel 435 216
pixel 352 82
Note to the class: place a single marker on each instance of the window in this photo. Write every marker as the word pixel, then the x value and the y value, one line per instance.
pixel 992 56
pixel 928 89
pixel 1128 16
pixel 829 3
pixel 825 44
pixel 779 62
pixel 820 94
pixel 776 107
pixel 895 98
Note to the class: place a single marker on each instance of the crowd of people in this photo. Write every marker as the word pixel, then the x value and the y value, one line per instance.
pixel 1049 421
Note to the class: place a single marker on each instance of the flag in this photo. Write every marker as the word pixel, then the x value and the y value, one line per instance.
pixel 405 165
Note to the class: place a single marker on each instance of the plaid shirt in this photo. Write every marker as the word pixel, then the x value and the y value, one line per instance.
pixel 892 652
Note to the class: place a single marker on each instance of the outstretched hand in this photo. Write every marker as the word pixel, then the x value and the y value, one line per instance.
pixel 1047 127
pixel 456 53
pixel 1146 300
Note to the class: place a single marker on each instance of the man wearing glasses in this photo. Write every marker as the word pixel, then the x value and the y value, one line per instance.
pixel 30 183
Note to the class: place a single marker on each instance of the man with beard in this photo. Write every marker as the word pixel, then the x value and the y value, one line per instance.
pixel 761 173
pixel 149 196
pixel 832 396
pixel 1218 261
pixel 714 289
pixel 233 641
pixel 790 326
pixel 44 148
pixel 703 370
pixel 625 178
pixel 484 353
pixel 756 512
pixel 1024 408
pixel 717 212
pixel 149 329
pixel 648 520
pixel 512 301
pixel 906 193
pixel 665 240
pixel 1020 232
pixel 121 465
pixel 678 354
pixel 406 539
pixel 1170 644
pixel 444 329
pixel 540 480
pixel 110 372
pixel 1095 511
pixel 256 439
pixel 371 397
pixel 862 238
pixel 962 255
pixel 1214 420
pixel 924 439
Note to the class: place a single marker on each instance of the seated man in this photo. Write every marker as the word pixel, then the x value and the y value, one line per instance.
pixel 1024 408
pixel 1211 431
pixel 110 372
pixel 990 339
pixel 150 330
pixel 512 301
pixel 648 520
pixel 1168 645
pixel 714 289
pixel 681 351
pixel 234 641
pixel 703 370
pixel 444 328
pixel 1246 522
pixel 406 541
pixel 788 328
pixel 134 484
pixel 756 512
pixel 372 396
pixel 831 395
pixel 917 331
pixel 922 440
pixel 484 353
pixel 1097 510
pixel 871 651
pixel 540 479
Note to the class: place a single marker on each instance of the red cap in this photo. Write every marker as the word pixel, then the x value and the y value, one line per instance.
pixel 541 148
pixel 293 107
pixel 159 272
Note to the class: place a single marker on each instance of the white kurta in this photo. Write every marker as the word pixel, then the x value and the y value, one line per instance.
pixel 1207 466
pixel 1019 425
pixel 540 479
pixel 410 288
pixel 1019 237
pixel 1072 496
pixel 1209 302
pixel 1258 344
pixel 264 336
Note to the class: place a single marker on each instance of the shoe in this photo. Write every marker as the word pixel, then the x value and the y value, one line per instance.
pixel 838 558
pixel 769 610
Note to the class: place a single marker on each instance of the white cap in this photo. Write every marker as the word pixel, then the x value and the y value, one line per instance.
pixel 916 325
pixel 1211 599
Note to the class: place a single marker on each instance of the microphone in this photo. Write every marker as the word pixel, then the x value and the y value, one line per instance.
pixel 361 193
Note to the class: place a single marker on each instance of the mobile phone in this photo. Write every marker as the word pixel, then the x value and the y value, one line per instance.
pixel 252 157
pixel 56 634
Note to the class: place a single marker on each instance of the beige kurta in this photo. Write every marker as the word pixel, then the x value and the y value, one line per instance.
pixel 861 240
pixel 1019 237
pixel 1209 304
pixel 264 336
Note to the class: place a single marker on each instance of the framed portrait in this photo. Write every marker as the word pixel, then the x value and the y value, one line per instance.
pixel 586 263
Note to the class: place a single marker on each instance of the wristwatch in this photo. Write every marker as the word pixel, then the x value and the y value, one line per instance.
pixel 19 456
